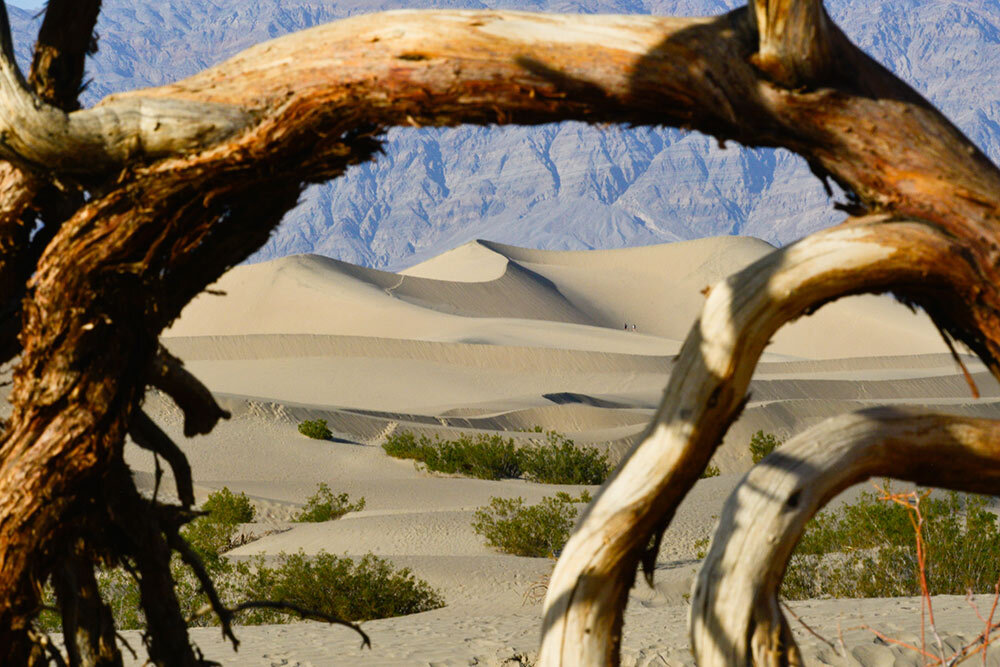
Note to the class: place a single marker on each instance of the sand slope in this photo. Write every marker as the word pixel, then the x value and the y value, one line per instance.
pixel 498 339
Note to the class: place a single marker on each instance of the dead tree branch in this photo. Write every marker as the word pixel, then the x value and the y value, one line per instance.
pixel 88 626
pixel 201 411
pixel 188 179
pixel 149 436
pixel 589 587
pixel 736 592
pixel 64 40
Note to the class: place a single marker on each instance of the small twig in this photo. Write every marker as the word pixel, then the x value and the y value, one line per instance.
pixel 911 501
pixel 124 642
pixel 537 590
pixel 811 631
pixel 305 613
pixel 898 642
pixel 840 638
pixel 958 360
pixel 188 555
pixel 158 475
pixel 989 622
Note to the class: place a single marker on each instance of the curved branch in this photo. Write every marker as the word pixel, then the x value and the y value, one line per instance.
pixel 201 411
pixel 707 388
pixel 735 617
pixel 149 436
pixel 41 136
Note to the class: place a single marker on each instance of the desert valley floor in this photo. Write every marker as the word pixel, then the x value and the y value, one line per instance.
pixel 495 338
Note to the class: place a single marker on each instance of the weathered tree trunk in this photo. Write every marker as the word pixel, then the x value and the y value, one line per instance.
pixel 150 196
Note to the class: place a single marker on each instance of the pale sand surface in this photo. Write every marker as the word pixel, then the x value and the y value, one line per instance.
pixel 493 338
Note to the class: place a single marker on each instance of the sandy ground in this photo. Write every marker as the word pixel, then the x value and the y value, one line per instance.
pixel 493 338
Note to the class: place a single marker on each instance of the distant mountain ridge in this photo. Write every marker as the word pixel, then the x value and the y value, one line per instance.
pixel 567 186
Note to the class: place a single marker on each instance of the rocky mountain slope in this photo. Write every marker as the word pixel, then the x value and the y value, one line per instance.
pixel 568 186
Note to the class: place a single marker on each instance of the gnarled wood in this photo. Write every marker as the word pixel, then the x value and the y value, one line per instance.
pixel 88 626
pixel 588 589
pixel 735 617
pixel 188 179
pixel 40 136
pixel 795 40
pixel 64 40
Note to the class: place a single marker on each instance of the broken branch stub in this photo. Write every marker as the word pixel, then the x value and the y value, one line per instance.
pixel 735 616
pixel 794 40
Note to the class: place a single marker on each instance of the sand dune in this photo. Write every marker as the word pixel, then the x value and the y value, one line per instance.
pixel 497 339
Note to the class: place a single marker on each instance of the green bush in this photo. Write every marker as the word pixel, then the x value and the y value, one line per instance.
pixel 534 530
pixel 226 507
pixel 336 585
pixel 404 445
pixel 710 471
pixel 324 506
pixel 490 456
pixel 560 461
pixel 762 444
pixel 483 457
pixel 868 549
pixel 213 534
pixel 315 428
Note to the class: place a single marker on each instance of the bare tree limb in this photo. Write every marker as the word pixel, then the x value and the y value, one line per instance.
pixel 167 639
pixel 149 436
pixel 201 411
pixel 88 626
pixel 180 545
pixel 735 615
pixel 43 137
pixel 303 613
pixel 64 40
pixel 589 587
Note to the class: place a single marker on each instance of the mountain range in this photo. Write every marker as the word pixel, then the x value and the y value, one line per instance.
pixel 565 186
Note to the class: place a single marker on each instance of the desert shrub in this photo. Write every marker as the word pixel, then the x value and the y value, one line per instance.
pixel 315 428
pixel 762 444
pixel 371 588
pixel 868 549
pixel 224 506
pixel 324 506
pixel 560 461
pixel 213 534
pixel 528 530
pixel 482 456
pixel 489 456
pixel 710 471
pixel 210 539
pixel 405 445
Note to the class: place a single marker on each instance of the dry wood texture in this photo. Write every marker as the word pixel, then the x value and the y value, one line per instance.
pixel 736 593
pixel 143 200
pixel 587 592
